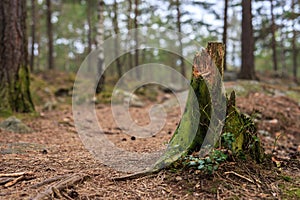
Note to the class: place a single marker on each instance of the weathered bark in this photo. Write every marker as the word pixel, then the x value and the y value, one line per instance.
pixel 14 72
pixel 225 25
pixel 100 41
pixel 273 28
pixel 50 36
pixel 33 22
pixel 206 85
pixel 116 30
pixel 247 68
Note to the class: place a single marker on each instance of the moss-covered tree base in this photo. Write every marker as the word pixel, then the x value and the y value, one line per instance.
pixel 15 95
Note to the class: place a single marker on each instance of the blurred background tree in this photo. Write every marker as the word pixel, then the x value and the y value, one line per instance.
pixel 70 26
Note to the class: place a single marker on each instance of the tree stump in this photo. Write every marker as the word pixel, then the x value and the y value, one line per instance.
pixel 208 114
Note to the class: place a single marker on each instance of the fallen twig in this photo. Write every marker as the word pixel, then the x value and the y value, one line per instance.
pixel 47 181
pixel 134 176
pixel 241 176
pixel 66 196
pixel 61 185
pixel 16 174
pixel 11 179
pixel 14 181
pixel 4 180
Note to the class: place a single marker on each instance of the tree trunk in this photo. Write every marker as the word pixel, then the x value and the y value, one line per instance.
pixel 225 33
pixel 247 68
pixel 14 74
pixel 294 48
pixel 273 28
pixel 284 70
pixel 89 21
pixel 178 23
pixel 136 33
pixel 116 30
pixel 100 41
pixel 129 26
pixel 33 22
pixel 50 36
pixel 89 34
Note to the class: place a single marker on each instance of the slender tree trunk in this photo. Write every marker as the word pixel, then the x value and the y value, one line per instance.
pixel 33 22
pixel 116 30
pixel 129 27
pixel 50 36
pixel 225 33
pixel 89 21
pixel 247 68
pixel 14 72
pixel 136 58
pixel 273 37
pixel 89 33
pixel 38 39
pixel 294 48
pixel 100 41
pixel 178 22
pixel 282 52
pixel 233 53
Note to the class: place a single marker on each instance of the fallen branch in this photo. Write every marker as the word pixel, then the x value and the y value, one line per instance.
pixel 57 188
pixel 241 176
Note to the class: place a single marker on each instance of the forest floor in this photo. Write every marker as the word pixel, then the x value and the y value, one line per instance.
pixel 53 154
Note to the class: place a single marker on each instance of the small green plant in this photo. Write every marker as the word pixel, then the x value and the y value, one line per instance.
pixel 209 164
pixel 227 139
pixel 276 140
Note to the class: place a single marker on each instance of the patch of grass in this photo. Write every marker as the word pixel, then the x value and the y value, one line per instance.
pixel 5 113
pixel 41 91
pixel 214 190
pixel 286 178
pixel 291 193
pixel 21 116
pixel 295 95
pixel 149 92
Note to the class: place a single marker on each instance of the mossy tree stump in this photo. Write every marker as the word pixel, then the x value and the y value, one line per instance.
pixel 194 128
